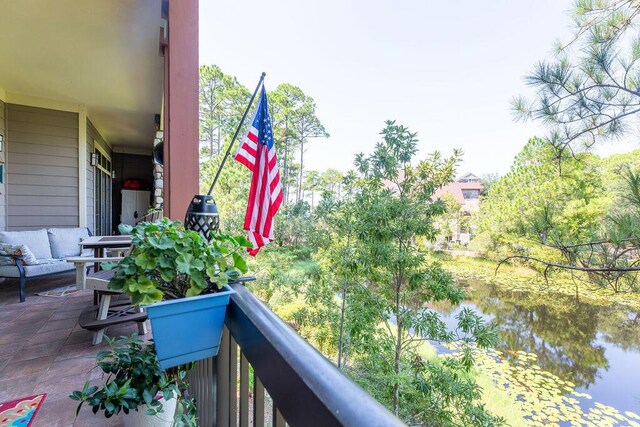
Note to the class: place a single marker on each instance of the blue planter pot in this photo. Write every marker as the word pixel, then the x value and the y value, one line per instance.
pixel 188 329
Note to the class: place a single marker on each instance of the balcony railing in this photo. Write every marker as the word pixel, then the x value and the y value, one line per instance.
pixel 305 388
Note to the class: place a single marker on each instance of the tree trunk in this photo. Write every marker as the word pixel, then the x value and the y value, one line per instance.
pixel 398 349
pixel 396 366
pixel 285 187
pixel 301 167
pixel 342 310
pixel 219 136
pixel 302 136
pixel 211 120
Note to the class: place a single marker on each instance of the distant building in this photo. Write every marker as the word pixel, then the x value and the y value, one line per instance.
pixel 466 190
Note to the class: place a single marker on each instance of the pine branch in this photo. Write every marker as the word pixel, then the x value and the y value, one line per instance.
pixel 566 266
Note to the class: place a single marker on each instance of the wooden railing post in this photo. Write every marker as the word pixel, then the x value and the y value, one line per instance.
pixel 278 419
pixel 233 381
pixel 222 382
pixel 258 401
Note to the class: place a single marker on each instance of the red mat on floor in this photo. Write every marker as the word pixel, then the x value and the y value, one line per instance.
pixel 20 412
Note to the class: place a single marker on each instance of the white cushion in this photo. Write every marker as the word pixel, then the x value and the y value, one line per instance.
pixel 37 241
pixel 65 242
pixel 36 270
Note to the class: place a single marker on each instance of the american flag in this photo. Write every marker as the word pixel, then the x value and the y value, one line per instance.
pixel 258 153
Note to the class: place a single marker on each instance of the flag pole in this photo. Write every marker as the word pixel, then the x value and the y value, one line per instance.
pixel 235 135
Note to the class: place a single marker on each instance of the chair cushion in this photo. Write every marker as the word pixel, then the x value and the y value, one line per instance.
pixel 37 241
pixel 65 242
pixel 54 266
pixel 27 256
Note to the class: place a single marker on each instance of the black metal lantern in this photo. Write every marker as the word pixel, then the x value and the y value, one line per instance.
pixel 158 153
pixel 202 216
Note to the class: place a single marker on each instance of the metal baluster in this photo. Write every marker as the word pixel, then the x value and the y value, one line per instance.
pixel 244 391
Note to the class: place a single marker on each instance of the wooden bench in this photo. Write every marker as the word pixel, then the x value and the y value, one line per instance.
pixel 98 317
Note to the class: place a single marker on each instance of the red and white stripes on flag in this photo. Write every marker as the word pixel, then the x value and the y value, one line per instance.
pixel 257 152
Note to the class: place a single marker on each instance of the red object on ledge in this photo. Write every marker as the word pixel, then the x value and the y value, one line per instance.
pixel 134 184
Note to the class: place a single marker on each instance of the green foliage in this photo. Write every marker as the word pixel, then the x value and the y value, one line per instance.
pixel 297 228
pixel 169 262
pixel 331 181
pixel 582 214
pixel 590 90
pixel 222 102
pixel 451 219
pixel 294 122
pixel 362 297
pixel 231 192
pixel 438 391
pixel 588 93
pixel 134 378
pixel 371 259
pixel 540 202
pixel 487 181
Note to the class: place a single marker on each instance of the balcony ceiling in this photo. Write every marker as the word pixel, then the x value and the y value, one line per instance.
pixel 101 53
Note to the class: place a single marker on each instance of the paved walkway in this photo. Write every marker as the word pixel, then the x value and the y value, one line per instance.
pixel 43 350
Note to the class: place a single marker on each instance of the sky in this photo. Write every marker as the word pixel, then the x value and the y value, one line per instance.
pixel 447 70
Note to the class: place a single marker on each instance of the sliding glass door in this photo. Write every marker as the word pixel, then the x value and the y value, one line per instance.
pixel 102 193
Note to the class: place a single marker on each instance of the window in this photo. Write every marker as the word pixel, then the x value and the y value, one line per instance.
pixel 471 194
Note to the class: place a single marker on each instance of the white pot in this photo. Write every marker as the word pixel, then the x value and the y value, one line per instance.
pixel 140 418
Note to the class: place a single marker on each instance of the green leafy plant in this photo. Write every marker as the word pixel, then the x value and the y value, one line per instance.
pixel 169 262
pixel 133 379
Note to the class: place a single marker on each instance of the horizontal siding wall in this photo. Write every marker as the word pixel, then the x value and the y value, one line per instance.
pixel 3 186
pixel 42 170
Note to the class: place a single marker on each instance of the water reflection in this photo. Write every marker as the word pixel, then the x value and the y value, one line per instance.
pixel 570 337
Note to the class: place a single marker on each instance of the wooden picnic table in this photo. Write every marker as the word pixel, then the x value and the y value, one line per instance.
pixel 100 243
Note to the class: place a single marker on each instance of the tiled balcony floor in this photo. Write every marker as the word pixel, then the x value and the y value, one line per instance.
pixel 43 350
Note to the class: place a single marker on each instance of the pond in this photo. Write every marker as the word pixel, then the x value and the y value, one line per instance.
pixel 584 358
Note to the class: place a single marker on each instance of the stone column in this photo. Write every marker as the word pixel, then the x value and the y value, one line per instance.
pixel 158 177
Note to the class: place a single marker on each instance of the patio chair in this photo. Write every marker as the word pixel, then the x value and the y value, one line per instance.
pixel 150 217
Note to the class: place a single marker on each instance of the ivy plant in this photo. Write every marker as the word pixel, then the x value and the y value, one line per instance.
pixel 170 262
pixel 133 379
